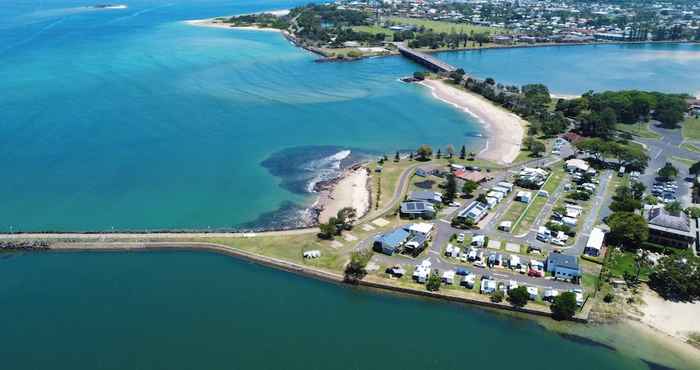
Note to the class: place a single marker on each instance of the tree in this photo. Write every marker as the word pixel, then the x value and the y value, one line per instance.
pixel 668 171
pixel 463 152
pixel 627 229
pixel 420 76
pixel 677 277
pixel 482 198
pixel 638 190
pixel 564 306
pixel 355 269
pixel 650 199
pixel 327 230
pixel 397 157
pixel 346 218
pixel 518 297
pixel 625 200
pixel 695 169
pixel 469 187
pixel 450 151
pixel 439 154
pixel 674 208
pixel 450 189
pixel 434 282
pixel 425 152
pixel 537 148
pixel 693 212
pixel 410 156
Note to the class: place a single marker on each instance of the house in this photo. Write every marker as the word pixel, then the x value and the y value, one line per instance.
pixel 422 271
pixel 475 176
pixel 422 228
pixel 678 231
pixel 417 209
pixel 594 243
pixel 563 266
pixel 576 165
pixel 391 242
pixel 523 196
pixel 473 213
pixel 425 196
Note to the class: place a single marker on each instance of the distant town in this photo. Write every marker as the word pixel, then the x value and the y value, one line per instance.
pixel 354 29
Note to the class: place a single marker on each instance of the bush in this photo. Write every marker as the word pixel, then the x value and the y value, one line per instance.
pixel 518 297
pixel 564 306
pixel 434 282
pixel 355 270
pixel 609 298
pixel 497 296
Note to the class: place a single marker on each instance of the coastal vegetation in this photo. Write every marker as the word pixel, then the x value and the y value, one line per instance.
pixel 564 306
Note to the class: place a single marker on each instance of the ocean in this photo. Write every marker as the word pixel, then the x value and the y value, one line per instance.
pixel 198 310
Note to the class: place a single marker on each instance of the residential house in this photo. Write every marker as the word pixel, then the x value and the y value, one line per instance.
pixel 417 209
pixel 523 196
pixel 473 213
pixel 563 266
pixel 391 242
pixel 425 196
pixel 577 165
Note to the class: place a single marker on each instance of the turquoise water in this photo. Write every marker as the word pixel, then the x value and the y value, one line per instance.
pixel 130 119
pixel 577 69
pixel 187 310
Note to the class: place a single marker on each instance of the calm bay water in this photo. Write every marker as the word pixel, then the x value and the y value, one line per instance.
pixel 187 310
pixel 130 119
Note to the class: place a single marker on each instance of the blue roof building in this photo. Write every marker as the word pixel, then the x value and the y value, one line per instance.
pixel 563 266
pixel 390 242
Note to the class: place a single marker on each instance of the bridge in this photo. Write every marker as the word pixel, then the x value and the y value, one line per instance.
pixel 426 60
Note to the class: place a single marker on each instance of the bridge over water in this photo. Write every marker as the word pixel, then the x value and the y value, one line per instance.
pixel 426 60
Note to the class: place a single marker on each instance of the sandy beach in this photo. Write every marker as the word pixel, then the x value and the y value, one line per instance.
pixel 505 129
pixel 676 319
pixel 213 22
pixel 350 191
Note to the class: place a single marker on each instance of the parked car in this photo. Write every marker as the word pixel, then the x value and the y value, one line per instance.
pixel 480 264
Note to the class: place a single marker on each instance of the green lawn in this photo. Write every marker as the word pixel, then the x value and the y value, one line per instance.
pixel 514 211
pixel 685 161
pixel 443 26
pixel 375 30
pixel 620 262
pixel 638 129
pixel 691 129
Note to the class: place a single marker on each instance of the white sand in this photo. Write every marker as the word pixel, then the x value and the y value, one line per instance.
pixel 218 24
pixel 350 191
pixel 505 129
pixel 677 319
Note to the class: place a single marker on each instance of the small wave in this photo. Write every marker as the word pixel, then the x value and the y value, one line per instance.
pixel 326 169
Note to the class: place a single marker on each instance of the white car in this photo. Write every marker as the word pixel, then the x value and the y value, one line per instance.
pixel 460 238
pixel 558 242
pixel 463 257
pixel 480 264
pixel 455 204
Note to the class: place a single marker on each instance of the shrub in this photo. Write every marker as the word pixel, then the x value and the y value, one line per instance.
pixel 497 296
pixel 564 306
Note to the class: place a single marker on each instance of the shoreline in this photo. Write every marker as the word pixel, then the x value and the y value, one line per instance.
pixel 350 189
pixel 213 23
pixel 505 129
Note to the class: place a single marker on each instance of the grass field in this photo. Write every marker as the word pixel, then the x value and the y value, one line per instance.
pixel 691 129
pixel 375 30
pixel 639 129
pixel 620 262
pixel 686 161
pixel 443 26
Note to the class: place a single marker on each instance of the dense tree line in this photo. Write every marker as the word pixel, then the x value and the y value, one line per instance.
pixel 597 113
